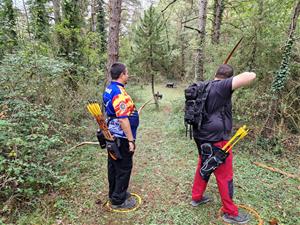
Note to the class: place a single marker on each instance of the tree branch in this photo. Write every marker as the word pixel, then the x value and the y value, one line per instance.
pixel 168 5
pixel 192 28
pixel 191 19
pixel 276 170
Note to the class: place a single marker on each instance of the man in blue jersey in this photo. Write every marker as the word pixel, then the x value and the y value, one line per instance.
pixel 123 121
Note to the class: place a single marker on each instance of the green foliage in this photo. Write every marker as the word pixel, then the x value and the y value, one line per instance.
pixel 39 20
pixel 91 51
pixel 28 136
pixel 164 167
pixel 45 84
pixel 8 35
pixel 68 31
pixel 32 131
pixel 68 38
pixel 283 72
pixel 101 25
pixel 150 47
pixel 273 144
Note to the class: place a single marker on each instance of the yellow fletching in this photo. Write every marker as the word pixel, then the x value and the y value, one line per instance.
pixel 99 109
pixel 94 109
pixel 89 109
pixel 241 132
pixel 12 154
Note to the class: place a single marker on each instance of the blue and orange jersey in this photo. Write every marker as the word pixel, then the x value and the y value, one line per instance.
pixel 118 104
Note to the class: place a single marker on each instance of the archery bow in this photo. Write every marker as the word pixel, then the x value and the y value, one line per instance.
pixel 232 51
pixel 146 103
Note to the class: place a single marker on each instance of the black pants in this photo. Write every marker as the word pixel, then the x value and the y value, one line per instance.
pixel 119 172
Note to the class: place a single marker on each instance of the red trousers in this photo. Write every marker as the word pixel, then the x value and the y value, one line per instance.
pixel 224 177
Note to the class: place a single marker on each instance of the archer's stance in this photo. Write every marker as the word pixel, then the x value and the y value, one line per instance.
pixel 123 121
pixel 214 131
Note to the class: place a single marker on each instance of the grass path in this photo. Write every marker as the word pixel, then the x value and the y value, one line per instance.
pixel 164 166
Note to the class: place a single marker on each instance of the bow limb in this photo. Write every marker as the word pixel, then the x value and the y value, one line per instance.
pixel 143 106
pixel 232 51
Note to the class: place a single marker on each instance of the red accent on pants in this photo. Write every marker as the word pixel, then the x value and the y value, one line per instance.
pixel 224 175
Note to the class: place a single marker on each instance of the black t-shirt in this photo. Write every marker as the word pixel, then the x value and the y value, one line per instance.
pixel 217 125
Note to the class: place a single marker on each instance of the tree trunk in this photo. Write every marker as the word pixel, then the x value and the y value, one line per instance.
pixel 101 25
pixel 182 51
pixel 113 35
pixel 27 19
pixel 199 66
pixel 152 77
pixel 294 20
pixel 93 16
pixel 217 20
pixel 56 11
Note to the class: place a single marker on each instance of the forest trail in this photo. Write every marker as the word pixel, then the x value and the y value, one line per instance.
pixel 55 56
pixel 164 165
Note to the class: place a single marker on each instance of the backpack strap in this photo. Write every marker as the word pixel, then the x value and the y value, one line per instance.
pixel 204 97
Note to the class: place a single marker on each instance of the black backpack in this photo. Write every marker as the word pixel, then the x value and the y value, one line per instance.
pixel 195 98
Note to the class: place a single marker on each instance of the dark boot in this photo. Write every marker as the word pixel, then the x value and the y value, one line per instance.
pixel 202 201
pixel 241 218
pixel 128 204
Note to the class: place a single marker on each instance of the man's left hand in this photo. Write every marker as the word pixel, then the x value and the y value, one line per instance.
pixel 131 146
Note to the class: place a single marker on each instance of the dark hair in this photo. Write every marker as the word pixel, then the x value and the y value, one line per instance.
pixel 224 71
pixel 116 69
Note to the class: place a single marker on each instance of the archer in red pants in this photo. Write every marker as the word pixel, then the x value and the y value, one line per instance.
pixel 214 128
pixel 224 177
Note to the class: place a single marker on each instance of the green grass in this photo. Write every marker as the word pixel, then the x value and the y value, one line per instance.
pixel 164 166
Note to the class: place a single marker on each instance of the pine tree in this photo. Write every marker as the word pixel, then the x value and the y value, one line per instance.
pixel 150 48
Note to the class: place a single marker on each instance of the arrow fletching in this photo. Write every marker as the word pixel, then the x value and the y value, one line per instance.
pixel 94 109
pixel 241 133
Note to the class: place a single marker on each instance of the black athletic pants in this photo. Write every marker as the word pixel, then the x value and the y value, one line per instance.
pixel 119 172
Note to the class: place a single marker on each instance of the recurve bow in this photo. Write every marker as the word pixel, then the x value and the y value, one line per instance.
pixel 232 51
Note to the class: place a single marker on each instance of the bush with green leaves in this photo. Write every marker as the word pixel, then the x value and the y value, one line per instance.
pixel 32 128
pixel 27 136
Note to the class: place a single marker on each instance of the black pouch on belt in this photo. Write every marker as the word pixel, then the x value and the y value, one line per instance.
pixel 216 157
pixel 113 148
